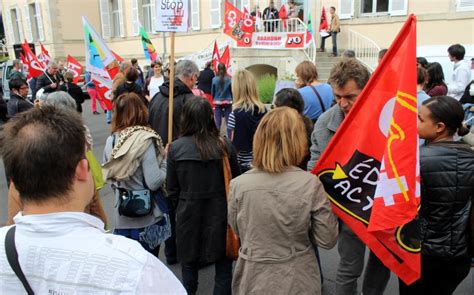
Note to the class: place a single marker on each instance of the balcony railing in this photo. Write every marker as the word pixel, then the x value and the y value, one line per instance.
pixel 366 50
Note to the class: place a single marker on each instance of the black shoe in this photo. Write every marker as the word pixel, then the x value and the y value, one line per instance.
pixel 171 260
pixel 96 113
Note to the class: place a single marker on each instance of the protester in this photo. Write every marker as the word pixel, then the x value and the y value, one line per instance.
pixel 421 61
pixel 292 16
pixel 93 94
pixel 196 185
pixel 18 97
pixel 317 96
pixel 59 100
pixel 72 89
pixel 204 81
pixel 152 84
pixel 289 97
pixel 270 15
pixel 130 86
pixel 17 70
pixel 49 81
pixel 247 112
pixel 186 75
pixel 119 78
pixel 61 70
pixel 44 151
pixel 468 96
pixel 334 28
pixel 436 85
pixel 382 53
pixel 221 92
pixel 421 80
pixel 461 72
pixel 135 165
pixel 348 53
pixel 3 110
pixel 279 213
pixel 347 78
pixel 446 198
pixel 140 79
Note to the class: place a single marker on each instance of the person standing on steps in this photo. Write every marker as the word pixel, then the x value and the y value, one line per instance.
pixel 334 29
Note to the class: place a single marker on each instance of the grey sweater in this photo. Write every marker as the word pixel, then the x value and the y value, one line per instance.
pixel 152 171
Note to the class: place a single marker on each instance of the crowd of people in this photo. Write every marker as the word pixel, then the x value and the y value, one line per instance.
pixel 171 190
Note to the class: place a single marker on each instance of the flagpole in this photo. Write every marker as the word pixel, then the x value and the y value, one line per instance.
pixel 170 104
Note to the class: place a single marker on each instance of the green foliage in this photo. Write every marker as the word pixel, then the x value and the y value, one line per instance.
pixel 3 58
pixel 266 87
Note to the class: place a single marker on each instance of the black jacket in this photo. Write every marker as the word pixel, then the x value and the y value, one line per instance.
pixel 17 104
pixel 198 188
pixel 43 82
pixel 447 191
pixel 159 108
pixel 205 80
pixel 76 93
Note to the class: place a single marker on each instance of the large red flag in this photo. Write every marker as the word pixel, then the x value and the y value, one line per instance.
pixel 44 56
pixel 370 168
pixel 104 89
pixel 36 67
pixel 233 21
pixel 225 59
pixel 74 66
pixel 323 24
pixel 26 65
pixel 117 57
pixel 283 14
pixel 248 25
pixel 215 57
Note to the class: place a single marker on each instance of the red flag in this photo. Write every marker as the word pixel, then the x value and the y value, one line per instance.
pixel 369 169
pixel 113 71
pixel 215 57
pixel 26 65
pixel 225 59
pixel 104 89
pixel 248 25
pixel 323 24
pixel 233 22
pixel 36 67
pixel 44 56
pixel 74 66
pixel 283 14
pixel 117 57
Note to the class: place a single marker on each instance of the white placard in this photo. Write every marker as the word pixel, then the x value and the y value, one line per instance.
pixel 172 15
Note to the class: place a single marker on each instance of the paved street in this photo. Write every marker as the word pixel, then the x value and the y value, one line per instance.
pixel 100 131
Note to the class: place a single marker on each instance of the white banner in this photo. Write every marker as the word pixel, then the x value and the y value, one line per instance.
pixel 201 57
pixel 274 41
pixel 172 15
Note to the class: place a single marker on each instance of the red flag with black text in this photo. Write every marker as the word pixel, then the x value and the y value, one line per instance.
pixel 74 66
pixel 370 168
pixel 36 68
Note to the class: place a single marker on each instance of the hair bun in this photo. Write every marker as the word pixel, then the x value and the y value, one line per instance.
pixel 463 130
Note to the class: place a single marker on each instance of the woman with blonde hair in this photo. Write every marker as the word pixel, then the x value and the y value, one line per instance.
pixel 247 112
pixel 280 213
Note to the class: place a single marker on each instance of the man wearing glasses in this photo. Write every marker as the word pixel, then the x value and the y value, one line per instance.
pixel 18 97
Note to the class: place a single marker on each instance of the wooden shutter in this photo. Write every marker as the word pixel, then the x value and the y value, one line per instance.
pixel 397 7
pixel 122 25
pixel 105 18
pixel 195 20
pixel 26 16
pixel 8 20
pixel 39 21
pixel 346 9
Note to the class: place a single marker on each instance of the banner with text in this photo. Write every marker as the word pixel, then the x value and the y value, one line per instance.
pixel 274 41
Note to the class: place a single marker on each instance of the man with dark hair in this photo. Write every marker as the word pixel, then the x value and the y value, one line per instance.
pixel 205 80
pixel 140 78
pixel 347 78
pixel 18 97
pixel 382 54
pixel 17 69
pixel 270 15
pixel 461 73
pixel 334 28
pixel 59 247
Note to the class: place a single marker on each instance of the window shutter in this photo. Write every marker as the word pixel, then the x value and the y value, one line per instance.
pixel 215 14
pixel 105 18
pixel 153 16
pixel 26 15
pixel 195 21
pixel 346 9
pixel 122 25
pixel 465 5
pixel 20 27
pixel 40 21
pixel 135 18
pixel 8 20
pixel 397 7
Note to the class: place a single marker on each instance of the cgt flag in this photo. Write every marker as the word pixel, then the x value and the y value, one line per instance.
pixel 75 67
pixel 36 67
pixel 370 168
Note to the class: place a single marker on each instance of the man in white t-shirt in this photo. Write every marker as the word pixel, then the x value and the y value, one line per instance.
pixel 461 72
pixel 62 250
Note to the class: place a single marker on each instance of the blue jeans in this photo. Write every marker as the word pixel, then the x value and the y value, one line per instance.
pixel 334 42
pixel 222 111
pixel 108 117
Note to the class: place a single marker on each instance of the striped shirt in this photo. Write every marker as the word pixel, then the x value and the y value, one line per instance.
pixel 243 157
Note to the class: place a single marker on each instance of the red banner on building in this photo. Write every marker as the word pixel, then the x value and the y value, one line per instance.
pixel 233 21
pixel 369 169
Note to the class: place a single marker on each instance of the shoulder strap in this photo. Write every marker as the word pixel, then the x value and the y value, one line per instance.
pixel 319 98
pixel 12 257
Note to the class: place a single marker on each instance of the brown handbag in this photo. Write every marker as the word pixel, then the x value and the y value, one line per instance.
pixel 232 240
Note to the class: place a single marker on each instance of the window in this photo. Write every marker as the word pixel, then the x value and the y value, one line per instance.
pixel 116 16
pixel 374 6
pixel 195 25
pixel 465 5
pixel 215 14
pixel 16 25
pixel 147 16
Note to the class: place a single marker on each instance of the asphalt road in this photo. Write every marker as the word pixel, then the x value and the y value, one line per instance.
pixel 329 258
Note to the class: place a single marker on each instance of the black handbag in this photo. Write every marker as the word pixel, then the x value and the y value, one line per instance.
pixel 134 203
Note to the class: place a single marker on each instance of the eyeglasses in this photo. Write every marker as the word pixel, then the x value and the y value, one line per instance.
pixel 24 87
